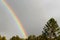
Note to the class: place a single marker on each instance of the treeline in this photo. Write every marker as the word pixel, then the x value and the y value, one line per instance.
pixel 31 37
pixel 51 31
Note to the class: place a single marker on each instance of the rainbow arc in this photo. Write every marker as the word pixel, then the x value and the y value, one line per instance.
pixel 15 18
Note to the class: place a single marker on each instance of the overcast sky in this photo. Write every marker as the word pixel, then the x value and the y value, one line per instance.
pixel 33 15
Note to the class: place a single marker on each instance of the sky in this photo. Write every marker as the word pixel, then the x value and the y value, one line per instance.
pixel 33 15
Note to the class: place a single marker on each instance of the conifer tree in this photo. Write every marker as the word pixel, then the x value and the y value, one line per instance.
pixel 51 29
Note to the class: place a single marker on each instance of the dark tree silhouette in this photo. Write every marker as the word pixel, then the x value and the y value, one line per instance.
pixel 51 29
pixel 32 37
pixel 3 38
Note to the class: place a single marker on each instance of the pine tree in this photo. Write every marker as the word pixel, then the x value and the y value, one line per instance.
pixel 51 29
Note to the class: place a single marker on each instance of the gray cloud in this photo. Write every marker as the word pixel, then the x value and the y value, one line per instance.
pixel 33 14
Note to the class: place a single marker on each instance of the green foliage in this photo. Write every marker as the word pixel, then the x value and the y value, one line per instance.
pixel 51 31
pixel 32 37
pixel 16 38
pixel 2 38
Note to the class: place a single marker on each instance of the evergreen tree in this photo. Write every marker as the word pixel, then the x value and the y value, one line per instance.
pixel 51 29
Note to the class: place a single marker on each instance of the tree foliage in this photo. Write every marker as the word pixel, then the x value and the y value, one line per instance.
pixel 50 28
pixel 51 31
pixel 2 38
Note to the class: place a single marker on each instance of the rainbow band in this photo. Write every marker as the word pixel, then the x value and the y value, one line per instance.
pixel 15 18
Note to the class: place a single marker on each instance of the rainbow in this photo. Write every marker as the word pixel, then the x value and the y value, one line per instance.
pixel 15 18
